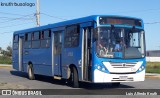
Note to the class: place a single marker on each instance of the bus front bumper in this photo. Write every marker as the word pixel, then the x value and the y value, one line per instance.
pixel 101 77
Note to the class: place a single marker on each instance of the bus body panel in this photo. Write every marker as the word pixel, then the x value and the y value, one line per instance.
pixel 101 77
pixel 15 59
pixel 40 58
pixel 45 62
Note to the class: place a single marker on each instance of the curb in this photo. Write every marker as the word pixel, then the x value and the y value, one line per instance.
pixel 152 77
pixel 6 66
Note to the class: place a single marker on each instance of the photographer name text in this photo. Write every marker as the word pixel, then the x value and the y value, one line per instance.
pixel 141 93
pixel 17 4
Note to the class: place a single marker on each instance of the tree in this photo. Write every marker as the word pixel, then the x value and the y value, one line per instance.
pixel 9 51
pixel 0 51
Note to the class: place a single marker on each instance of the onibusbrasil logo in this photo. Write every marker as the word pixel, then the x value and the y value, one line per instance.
pixel 21 92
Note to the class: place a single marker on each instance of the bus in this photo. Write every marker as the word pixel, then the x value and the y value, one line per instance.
pixel 95 49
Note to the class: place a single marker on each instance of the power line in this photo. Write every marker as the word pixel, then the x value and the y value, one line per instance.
pixel 11 14
pixel 53 16
pixel 6 32
pixel 8 18
pixel 152 23
pixel 17 18
pixel 5 17
pixel 15 25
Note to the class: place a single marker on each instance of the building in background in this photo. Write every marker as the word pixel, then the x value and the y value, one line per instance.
pixel 153 56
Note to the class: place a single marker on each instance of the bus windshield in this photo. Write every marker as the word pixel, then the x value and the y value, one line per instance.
pixel 120 43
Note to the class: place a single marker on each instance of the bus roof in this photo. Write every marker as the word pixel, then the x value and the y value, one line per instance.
pixel 70 22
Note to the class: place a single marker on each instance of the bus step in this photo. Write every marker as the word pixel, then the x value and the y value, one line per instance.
pixel 57 77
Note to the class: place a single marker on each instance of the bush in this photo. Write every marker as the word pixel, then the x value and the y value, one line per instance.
pixel 153 67
pixel 5 60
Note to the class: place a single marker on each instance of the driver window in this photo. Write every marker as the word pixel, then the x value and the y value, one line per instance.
pixel 103 42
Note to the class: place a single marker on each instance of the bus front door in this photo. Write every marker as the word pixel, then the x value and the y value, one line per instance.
pixel 57 53
pixel 86 54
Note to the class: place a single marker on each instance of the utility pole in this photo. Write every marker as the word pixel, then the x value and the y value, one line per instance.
pixel 37 13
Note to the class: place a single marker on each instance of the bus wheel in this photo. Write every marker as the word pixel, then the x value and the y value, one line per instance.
pixel 74 78
pixel 30 72
pixel 116 84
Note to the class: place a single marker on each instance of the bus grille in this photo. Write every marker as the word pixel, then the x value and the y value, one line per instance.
pixel 123 65
pixel 117 79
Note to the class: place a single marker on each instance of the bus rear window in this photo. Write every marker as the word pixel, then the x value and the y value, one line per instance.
pixel 28 36
pixel 36 36
pixel 36 39
pixel 15 39
pixel 15 42
pixel 28 40
pixel 45 38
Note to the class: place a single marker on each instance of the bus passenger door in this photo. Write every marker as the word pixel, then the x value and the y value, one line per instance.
pixel 20 53
pixel 57 53
pixel 86 53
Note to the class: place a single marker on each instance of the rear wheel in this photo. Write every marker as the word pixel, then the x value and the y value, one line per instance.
pixel 30 72
pixel 74 78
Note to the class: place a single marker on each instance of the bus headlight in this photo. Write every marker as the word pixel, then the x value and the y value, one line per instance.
pixel 103 69
pixel 141 68
pixel 98 67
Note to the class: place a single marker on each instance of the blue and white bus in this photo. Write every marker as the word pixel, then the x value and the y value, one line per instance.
pixel 97 49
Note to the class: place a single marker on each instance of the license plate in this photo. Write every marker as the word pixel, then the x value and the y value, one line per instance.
pixel 123 77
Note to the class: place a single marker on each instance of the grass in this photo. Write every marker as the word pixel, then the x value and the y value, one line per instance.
pixel 153 67
pixel 5 60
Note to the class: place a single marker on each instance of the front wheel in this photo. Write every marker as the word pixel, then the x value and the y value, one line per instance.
pixel 74 78
pixel 30 72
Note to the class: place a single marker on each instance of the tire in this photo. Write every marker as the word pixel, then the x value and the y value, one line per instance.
pixel 30 72
pixel 116 84
pixel 73 80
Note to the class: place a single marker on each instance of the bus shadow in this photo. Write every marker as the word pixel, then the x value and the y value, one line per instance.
pixel 42 78
pixel 102 86
pixel 83 85
pixel 18 73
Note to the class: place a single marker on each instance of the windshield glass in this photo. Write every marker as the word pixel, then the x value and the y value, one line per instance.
pixel 120 43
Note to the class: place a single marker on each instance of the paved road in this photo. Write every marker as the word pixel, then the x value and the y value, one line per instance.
pixel 15 79
pixel 43 82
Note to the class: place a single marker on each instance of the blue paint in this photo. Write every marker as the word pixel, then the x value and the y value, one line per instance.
pixel 118 55
pixel 41 58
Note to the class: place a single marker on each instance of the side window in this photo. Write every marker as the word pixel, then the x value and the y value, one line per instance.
pixel 15 42
pixel 36 39
pixel 72 36
pixel 45 38
pixel 57 42
pixel 28 40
